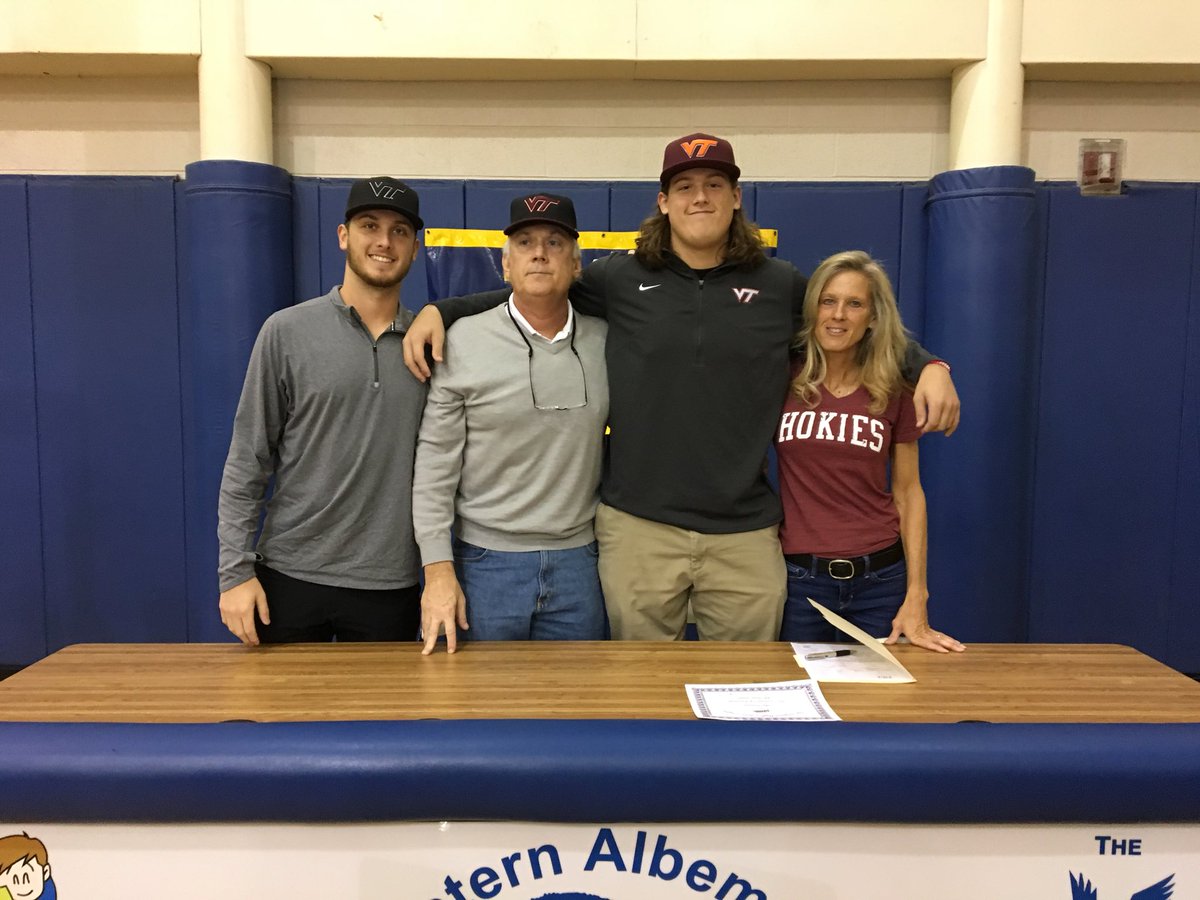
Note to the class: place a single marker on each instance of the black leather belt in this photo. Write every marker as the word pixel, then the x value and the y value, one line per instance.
pixel 843 569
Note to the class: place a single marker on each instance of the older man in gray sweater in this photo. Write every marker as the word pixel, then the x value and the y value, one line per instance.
pixel 509 458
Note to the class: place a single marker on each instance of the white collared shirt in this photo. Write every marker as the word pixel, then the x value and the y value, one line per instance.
pixel 561 336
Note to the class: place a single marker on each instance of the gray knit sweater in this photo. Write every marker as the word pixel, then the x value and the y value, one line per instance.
pixel 333 416
pixel 507 475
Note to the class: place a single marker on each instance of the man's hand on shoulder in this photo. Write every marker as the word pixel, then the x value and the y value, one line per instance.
pixel 443 605
pixel 426 330
pixel 936 400
pixel 238 605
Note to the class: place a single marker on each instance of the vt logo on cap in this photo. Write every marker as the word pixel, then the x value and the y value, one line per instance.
pixel 539 203
pixel 542 209
pixel 697 148
pixel 695 151
pixel 384 193
pixel 387 190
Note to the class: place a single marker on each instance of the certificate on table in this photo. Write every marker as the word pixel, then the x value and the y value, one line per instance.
pixel 780 701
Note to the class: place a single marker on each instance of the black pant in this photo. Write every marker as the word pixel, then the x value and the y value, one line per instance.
pixel 303 612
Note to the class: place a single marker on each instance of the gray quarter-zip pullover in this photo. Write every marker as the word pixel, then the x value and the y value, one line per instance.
pixel 333 415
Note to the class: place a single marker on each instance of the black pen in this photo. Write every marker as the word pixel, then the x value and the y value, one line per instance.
pixel 828 654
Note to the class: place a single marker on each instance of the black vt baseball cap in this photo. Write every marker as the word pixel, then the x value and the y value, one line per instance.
pixel 384 192
pixel 542 209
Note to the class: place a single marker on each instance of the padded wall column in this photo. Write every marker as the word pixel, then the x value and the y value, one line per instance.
pixel 981 274
pixel 236 269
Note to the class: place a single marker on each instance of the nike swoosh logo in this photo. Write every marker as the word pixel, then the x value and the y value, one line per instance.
pixel 648 287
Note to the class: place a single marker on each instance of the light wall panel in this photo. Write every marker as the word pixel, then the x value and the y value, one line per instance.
pixel 1159 122
pixel 126 126
pixel 597 129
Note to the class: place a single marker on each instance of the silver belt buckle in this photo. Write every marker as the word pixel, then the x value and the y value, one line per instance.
pixel 845 562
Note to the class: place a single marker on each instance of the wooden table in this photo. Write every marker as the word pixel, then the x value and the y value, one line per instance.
pixel 168 683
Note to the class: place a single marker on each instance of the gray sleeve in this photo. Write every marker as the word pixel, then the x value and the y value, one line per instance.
pixel 257 427
pixel 438 466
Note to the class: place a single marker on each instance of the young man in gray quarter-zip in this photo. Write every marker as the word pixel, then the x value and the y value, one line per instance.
pixel 331 413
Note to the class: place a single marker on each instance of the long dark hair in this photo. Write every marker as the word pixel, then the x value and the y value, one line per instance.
pixel 745 246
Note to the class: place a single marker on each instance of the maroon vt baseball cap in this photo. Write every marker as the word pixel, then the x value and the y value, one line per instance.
pixel 698 151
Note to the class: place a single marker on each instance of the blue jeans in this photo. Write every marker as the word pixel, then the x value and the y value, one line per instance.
pixel 870 601
pixel 539 595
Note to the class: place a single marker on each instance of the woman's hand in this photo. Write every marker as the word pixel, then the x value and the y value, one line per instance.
pixel 912 621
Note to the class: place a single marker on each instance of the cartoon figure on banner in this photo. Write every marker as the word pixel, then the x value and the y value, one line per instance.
pixel 25 869
pixel 1083 890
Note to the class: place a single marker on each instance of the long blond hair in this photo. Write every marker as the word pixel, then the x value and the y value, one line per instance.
pixel 882 347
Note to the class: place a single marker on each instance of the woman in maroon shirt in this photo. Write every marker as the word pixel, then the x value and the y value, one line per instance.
pixel 850 543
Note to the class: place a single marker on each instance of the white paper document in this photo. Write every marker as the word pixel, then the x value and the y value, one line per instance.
pixel 869 661
pixel 859 666
pixel 780 701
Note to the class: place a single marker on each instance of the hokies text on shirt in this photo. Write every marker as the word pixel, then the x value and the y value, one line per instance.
pixel 859 430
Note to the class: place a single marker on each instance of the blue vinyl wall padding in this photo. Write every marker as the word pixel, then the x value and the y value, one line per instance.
pixel 1183 622
pixel 487 202
pixel 980 305
pixel 910 281
pixel 1115 533
pixel 23 637
pixel 599 771
pixel 121 363
pixel 236 269
pixel 817 220
pixel 106 358
pixel 629 204
pixel 307 232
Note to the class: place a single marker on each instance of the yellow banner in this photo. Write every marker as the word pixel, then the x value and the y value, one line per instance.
pixel 588 240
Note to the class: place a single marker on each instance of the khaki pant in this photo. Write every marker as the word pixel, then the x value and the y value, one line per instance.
pixel 736 583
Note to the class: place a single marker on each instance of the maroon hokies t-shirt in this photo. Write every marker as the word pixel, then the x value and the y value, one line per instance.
pixel 833 473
